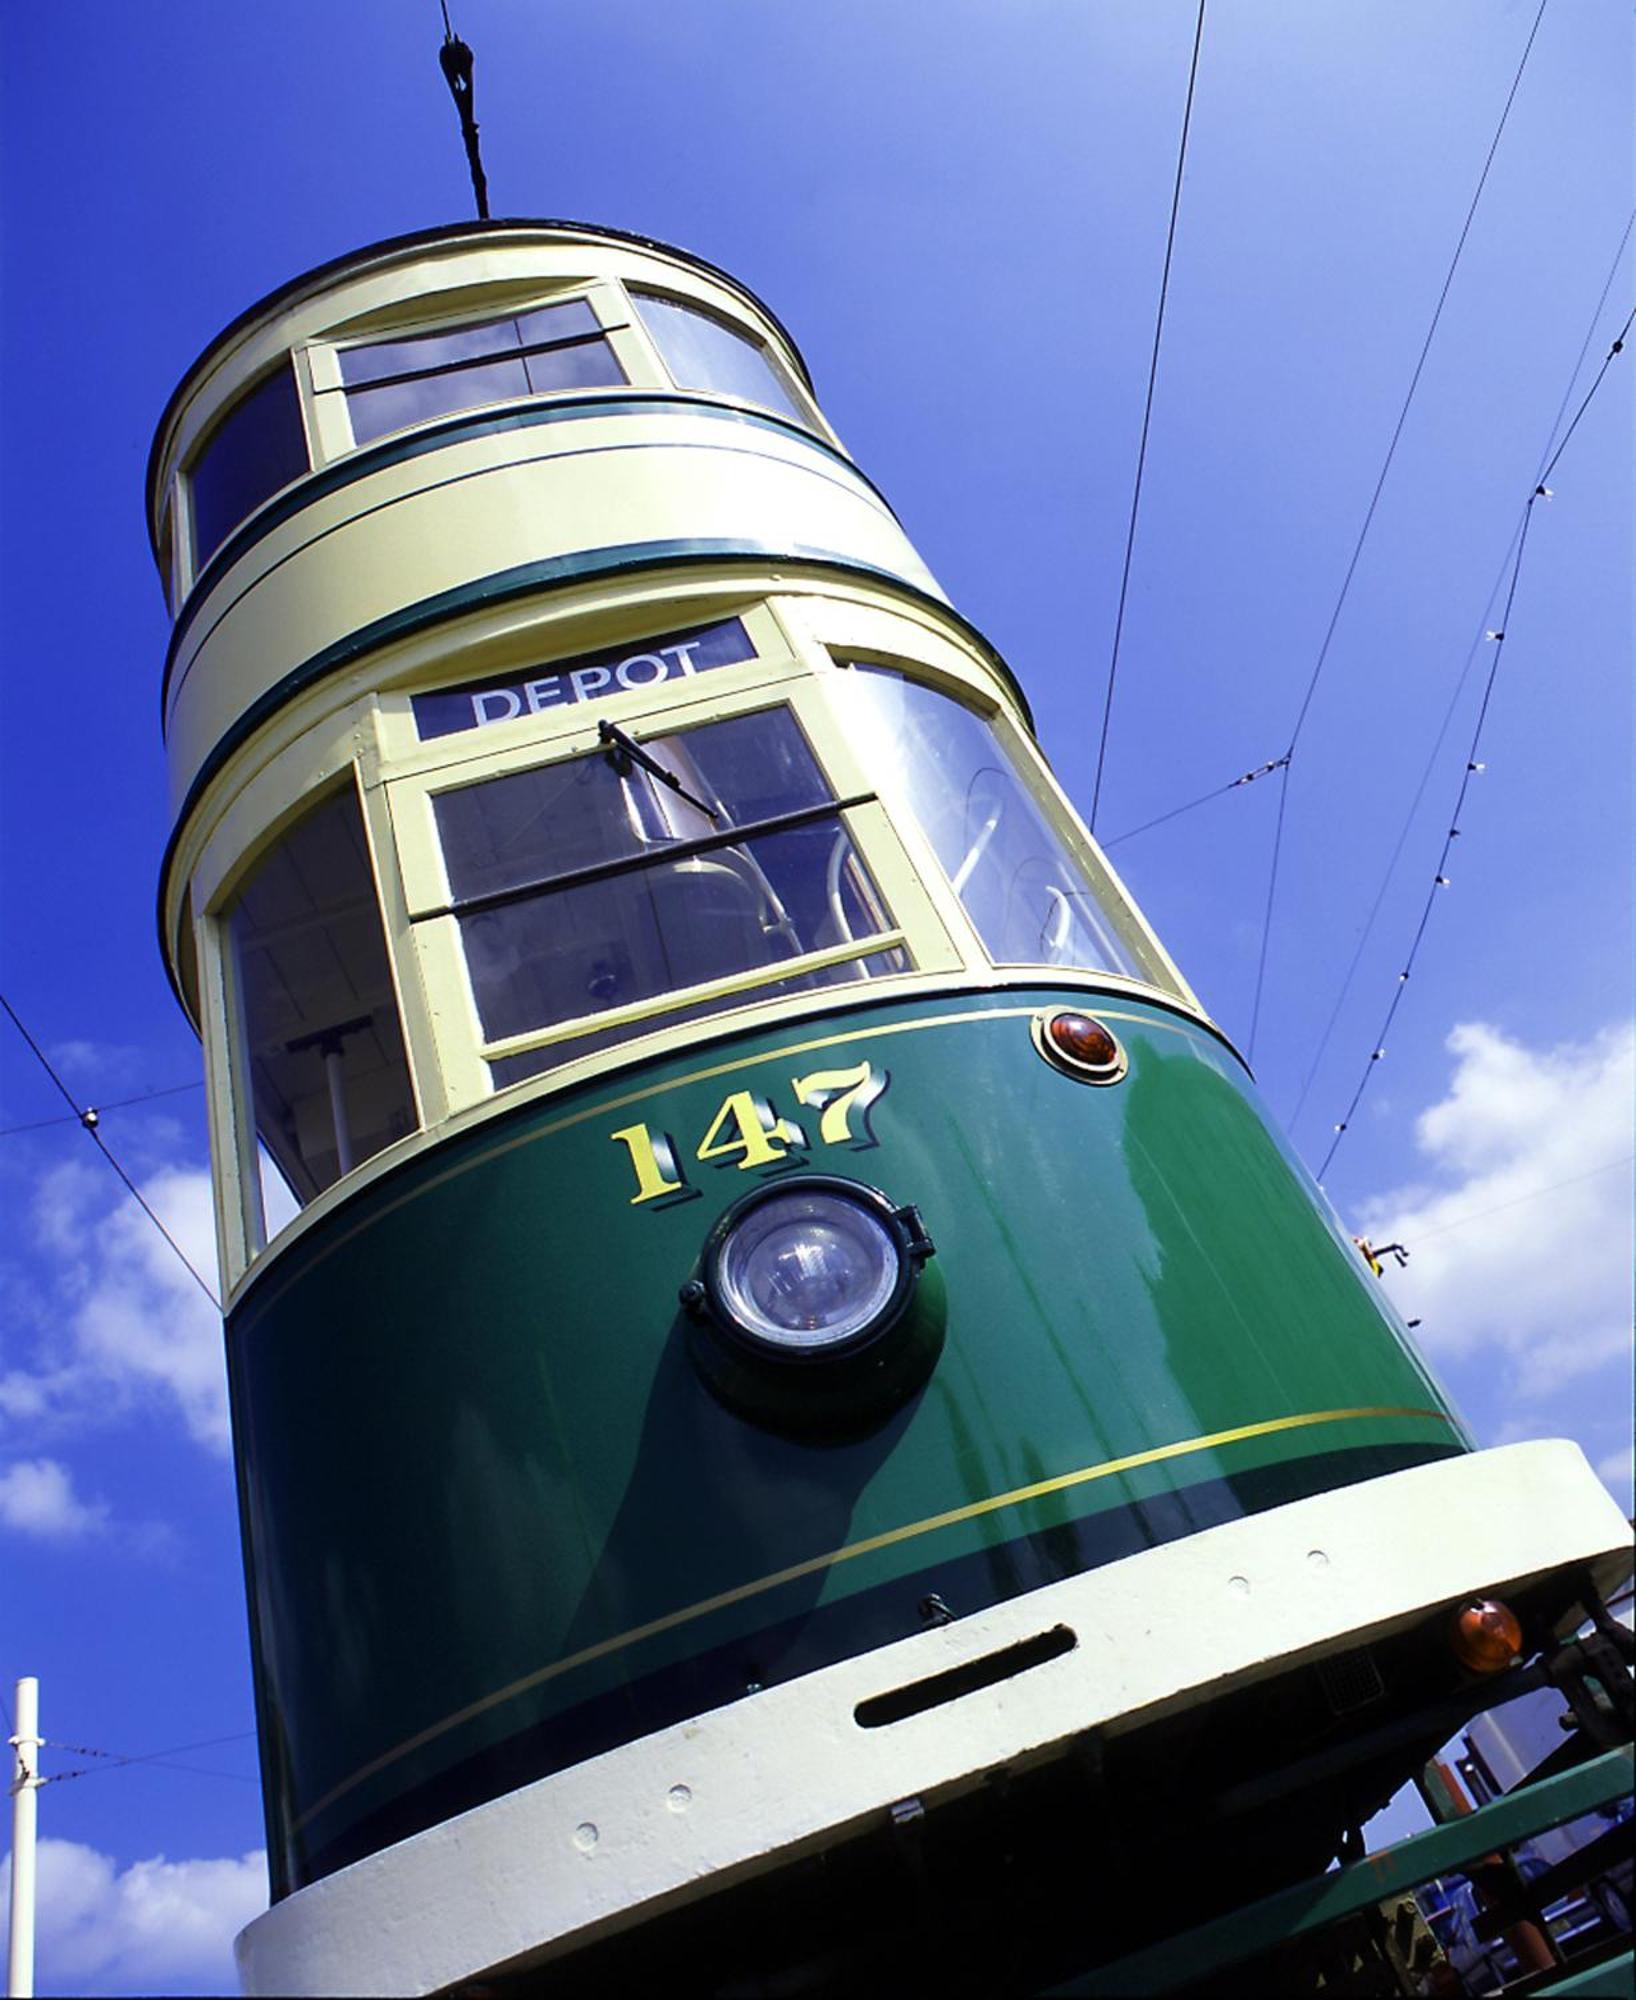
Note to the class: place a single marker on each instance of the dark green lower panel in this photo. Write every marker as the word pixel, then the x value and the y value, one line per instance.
pixel 785 1650
pixel 496 1520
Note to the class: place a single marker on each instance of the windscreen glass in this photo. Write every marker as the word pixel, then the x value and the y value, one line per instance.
pixel 703 352
pixel 1031 898
pixel 605 881
pixel 390 384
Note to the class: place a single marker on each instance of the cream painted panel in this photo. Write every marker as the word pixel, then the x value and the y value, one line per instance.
pixel 441 538
pixel 563 437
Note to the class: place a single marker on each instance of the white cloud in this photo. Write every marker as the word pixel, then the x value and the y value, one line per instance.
pixel 1520 1236
pixel 1618 1471
pixel 37 1497
pixel 105 1062
pixel 126 1324
pixel 157 1926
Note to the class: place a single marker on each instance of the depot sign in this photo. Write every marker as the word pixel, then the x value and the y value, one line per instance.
pixel 590 678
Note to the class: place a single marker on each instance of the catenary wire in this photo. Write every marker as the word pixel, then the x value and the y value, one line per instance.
pixel 1548 458
pixel 111 1104
pixel 1440 880
pixel 85 1116
pixel 1618 347
pixel 1221 791
pixel 1368 520
pixel 1147 417
pixel 153 1763
pixel 1517 1201
pixel 112 1760
pixel 1272 888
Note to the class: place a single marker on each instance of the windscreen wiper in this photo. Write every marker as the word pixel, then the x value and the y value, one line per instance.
pixel 624 753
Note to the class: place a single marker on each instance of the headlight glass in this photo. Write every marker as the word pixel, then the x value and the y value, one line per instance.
pixel 808 1269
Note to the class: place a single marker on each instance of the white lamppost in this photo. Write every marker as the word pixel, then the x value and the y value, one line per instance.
pixel 25 1785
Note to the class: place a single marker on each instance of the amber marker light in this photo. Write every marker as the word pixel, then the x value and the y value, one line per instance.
pixel 1079 1045
pixel 1486 1636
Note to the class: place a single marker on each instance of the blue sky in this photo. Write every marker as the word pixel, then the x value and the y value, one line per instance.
pixel 959 209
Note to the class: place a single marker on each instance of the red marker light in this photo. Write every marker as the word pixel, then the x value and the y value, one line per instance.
pixel 1079 1044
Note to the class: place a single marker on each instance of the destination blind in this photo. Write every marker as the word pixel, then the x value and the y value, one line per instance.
pixel 591 677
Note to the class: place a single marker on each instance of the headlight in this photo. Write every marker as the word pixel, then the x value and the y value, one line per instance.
pixel 809 1269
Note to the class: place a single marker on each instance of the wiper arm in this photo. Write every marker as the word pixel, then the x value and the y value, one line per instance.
pixel 624 753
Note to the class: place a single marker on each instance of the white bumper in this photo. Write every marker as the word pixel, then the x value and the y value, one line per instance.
pixel 789 1770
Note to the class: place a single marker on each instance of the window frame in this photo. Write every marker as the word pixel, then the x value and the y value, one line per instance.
pixel 225 864
pixel 1033 773
pixel 463 1053
pixel 188 562
pixel 609 307
pixel 371 743
pixel 801 400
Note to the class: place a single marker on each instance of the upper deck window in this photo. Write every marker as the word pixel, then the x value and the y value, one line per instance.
pixel 257 447
pixel 1031 898
pixel 703 352
pixel 320 1038
pixel 391 384
pixel 594 885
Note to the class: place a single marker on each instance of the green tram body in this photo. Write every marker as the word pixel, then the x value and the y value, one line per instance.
pixel 516 1515
pixel 549 1534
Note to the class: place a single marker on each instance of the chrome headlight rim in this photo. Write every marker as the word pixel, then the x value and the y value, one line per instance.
pixel 901 1226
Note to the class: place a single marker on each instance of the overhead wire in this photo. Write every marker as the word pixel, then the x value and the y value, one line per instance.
pixel 87 1117
pixel 1473 764
pixel 108 1104
pixel 1147 417
pixel 1517 1201
pixel 1548 455
pixel 1147 826
pixel 110 1760
pixel 1363 533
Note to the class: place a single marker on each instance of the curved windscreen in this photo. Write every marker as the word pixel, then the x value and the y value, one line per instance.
pixel 1031 898
pixel 599 884
pixel 703 352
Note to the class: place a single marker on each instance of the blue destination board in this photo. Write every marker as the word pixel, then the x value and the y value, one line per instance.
pixel 589 678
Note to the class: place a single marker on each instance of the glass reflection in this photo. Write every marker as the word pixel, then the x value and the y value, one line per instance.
pixel 703 352
pixel 1029 896
pixel 591 885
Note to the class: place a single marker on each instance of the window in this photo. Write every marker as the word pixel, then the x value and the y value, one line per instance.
pixel 390 384
pixel 1031 899
pixel 320 1043
pixel 600 883
pixel 256 448
pixel 703 352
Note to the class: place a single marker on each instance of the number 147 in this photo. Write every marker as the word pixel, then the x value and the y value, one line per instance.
pixel 746 1130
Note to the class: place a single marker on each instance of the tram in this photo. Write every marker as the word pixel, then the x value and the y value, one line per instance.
pixel 796 1422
